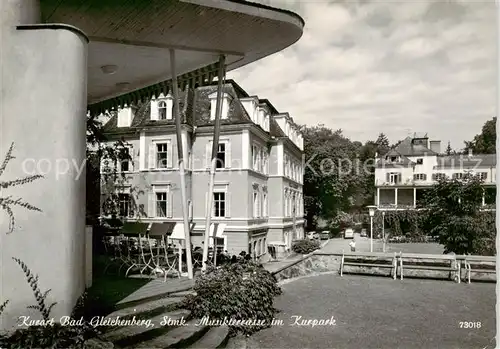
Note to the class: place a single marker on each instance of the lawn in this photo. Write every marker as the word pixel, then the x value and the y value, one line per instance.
pixel 108 289
pixel 363 245
pixel 416 247
pixel 377 312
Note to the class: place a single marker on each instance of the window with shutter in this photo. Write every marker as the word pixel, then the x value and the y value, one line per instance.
pixel 220 204
pixel 228 154
pixel 151 204
pixel 161 204
pixel 170 155
pixel 161 155
pixel 170 204
pixel 221 156
pixel 152 154
pixel 419 177
pixel 162 110
pixel 125 205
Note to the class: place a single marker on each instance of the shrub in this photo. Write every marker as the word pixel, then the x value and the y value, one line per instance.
pixel 233 292
pixel 73 334
pixel 305 246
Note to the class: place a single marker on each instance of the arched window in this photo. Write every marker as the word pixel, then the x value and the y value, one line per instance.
pixel 162 110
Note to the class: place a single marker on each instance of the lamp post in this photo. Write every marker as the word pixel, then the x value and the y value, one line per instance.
pixel 371 211
pixel 383 231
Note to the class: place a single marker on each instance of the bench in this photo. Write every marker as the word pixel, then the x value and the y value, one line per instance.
pixel 478 264
pixel 407 261
pixel 372 259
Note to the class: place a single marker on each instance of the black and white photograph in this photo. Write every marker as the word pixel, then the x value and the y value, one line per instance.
pixel 265 174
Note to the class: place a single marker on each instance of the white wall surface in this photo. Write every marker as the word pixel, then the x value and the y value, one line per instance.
pixel 42 110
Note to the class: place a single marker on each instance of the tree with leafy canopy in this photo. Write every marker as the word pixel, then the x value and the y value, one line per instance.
pixel 332 177
pixel 449 150
pixel 382 143
pixel 485 142
pixel 367 158
pixel 453 212
pixel 101 149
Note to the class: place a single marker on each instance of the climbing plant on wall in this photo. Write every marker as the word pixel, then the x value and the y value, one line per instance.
pixel 402 222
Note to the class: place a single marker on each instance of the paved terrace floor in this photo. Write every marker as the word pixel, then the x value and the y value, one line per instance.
pixel 157 287
pixel 377 312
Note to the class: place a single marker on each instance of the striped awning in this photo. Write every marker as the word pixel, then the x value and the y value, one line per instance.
pixel 161 229
pixel 134 228
pixel 200 77
pixel 217 229
pixel 178 233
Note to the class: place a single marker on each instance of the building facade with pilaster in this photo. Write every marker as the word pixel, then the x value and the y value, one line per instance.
pixel 404 173
pixel 258 183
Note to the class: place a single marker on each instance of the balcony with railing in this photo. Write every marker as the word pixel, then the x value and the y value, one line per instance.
pixel 408 182
pixel 423 179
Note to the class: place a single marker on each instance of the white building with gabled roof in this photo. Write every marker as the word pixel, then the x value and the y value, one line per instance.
pixel 407 170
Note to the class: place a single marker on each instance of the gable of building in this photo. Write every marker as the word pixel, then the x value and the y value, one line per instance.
pixel 386 161
pixel 409 148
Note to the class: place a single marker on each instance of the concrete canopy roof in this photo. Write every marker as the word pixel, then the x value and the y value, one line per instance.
pixel 130 39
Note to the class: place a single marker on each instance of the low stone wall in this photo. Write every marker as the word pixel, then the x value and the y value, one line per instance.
pixel 319 262
pixel 309 264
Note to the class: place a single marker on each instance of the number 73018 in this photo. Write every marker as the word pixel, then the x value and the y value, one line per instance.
pixel 469 324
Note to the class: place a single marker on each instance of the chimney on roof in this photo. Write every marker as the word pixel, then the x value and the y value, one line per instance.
pixel 435 146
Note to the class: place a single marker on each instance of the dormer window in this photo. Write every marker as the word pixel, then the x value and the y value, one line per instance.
pixel 162 110
pixel 125 117
pixel 392 158
pixel 226 100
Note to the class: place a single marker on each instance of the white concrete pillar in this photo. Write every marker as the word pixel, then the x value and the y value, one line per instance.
pixel 378 198
pixel 414 197
pixel 483 200
pixel 396 196
pixel 43 111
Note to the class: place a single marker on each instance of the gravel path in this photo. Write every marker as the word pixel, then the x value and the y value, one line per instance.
pixel 377 312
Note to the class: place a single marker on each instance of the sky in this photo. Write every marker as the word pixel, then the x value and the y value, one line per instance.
pixel 385 66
